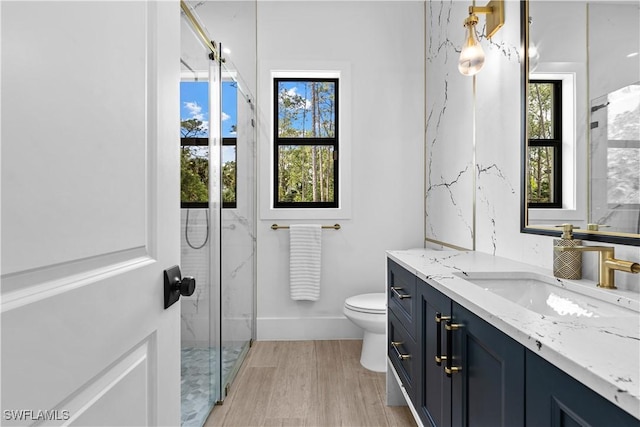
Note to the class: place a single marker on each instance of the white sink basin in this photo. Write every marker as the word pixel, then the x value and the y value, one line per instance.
pixel 547 295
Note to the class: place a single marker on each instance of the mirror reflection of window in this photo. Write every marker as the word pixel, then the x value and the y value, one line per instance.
pixel 544 121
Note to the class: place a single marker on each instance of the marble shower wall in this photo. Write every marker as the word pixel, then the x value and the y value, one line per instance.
pixel 238 261
pixel 194 261
pixel 234 302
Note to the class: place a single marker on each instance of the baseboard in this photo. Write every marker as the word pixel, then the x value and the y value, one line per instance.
pixel 314 328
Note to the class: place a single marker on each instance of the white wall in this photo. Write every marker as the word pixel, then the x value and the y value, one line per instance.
pixel 381 44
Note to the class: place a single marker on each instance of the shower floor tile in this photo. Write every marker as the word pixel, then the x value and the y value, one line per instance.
pixel 199 389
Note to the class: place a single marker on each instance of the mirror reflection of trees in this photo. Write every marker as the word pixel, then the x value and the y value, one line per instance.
pixel 541 158
pixel 229 174
pixel 194 163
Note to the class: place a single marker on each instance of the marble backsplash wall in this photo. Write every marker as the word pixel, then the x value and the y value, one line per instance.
pixel 473 169
pixel 497 133
pixel 473 142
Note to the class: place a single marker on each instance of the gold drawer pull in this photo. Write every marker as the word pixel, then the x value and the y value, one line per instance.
pixel 452 370
pixel 398 294
pixel 450 327
pixel 439 356
pixel 401 356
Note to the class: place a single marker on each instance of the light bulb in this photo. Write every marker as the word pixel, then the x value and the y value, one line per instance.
pixel 472 56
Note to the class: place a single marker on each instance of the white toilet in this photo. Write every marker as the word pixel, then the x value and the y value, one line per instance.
pixel 368 311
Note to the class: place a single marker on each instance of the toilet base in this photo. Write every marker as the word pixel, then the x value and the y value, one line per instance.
pixel 374 352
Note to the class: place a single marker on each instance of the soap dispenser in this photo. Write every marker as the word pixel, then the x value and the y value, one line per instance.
pixel 567 264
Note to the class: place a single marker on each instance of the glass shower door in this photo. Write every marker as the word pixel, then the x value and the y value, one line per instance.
pixel 219 235
pixel 200 258
pixel 238 222
pixel 201 385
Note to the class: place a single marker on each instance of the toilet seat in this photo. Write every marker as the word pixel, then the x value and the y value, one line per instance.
pixel 367 303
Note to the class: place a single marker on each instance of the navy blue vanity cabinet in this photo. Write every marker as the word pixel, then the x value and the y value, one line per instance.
pixel 402 299
pixel 402 346
pixel 475 376
pixel 489 388
pixel 556 399
pixel 402 349
pixel 434 405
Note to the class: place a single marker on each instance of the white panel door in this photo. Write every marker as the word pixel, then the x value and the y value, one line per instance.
pixel 89 209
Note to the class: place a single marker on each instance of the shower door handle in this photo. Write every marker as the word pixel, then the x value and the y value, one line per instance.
pixel 176 285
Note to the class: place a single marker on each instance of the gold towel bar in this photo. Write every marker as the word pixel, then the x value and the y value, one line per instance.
pixel 334 226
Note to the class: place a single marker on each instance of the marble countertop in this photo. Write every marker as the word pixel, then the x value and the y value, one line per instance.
pixel 602 353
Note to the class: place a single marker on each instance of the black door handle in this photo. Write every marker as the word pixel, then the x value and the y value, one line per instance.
pixel 176 285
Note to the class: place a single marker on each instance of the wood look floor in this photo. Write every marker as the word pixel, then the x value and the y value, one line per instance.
pixel 307 383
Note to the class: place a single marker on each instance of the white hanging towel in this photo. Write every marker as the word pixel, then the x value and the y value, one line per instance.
pixel 304 261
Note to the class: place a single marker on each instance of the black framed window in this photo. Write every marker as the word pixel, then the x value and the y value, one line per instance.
pixel 194 145
pixel 306 142
pixel 194 173
pixel 545 144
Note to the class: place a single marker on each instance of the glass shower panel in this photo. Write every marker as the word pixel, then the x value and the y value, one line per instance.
pixel 200 336
pixel 615 160
pixel 215 209
pixel 218 214
pixel 200 229
pixel 238 233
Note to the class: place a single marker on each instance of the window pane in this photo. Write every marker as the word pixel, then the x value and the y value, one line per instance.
pixel 229 175
pixel 623 176
pixel 306 109
pixel 229 116
pixel 194 173
pixel 306 173
pixel 541 115
pixel 229 119
pixel 194 109
pixel 541 174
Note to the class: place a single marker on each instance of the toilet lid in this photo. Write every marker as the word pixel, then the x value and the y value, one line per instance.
pixel 368 303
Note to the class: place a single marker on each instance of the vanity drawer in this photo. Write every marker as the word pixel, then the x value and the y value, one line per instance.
pixel 403 353
pixel 401 294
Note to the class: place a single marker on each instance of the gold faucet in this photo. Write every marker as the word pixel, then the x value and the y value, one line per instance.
pixel 607 264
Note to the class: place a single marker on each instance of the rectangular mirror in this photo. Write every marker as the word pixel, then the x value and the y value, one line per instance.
pixel 581 119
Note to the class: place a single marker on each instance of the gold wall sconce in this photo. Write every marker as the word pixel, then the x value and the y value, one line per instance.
pixel 472 55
